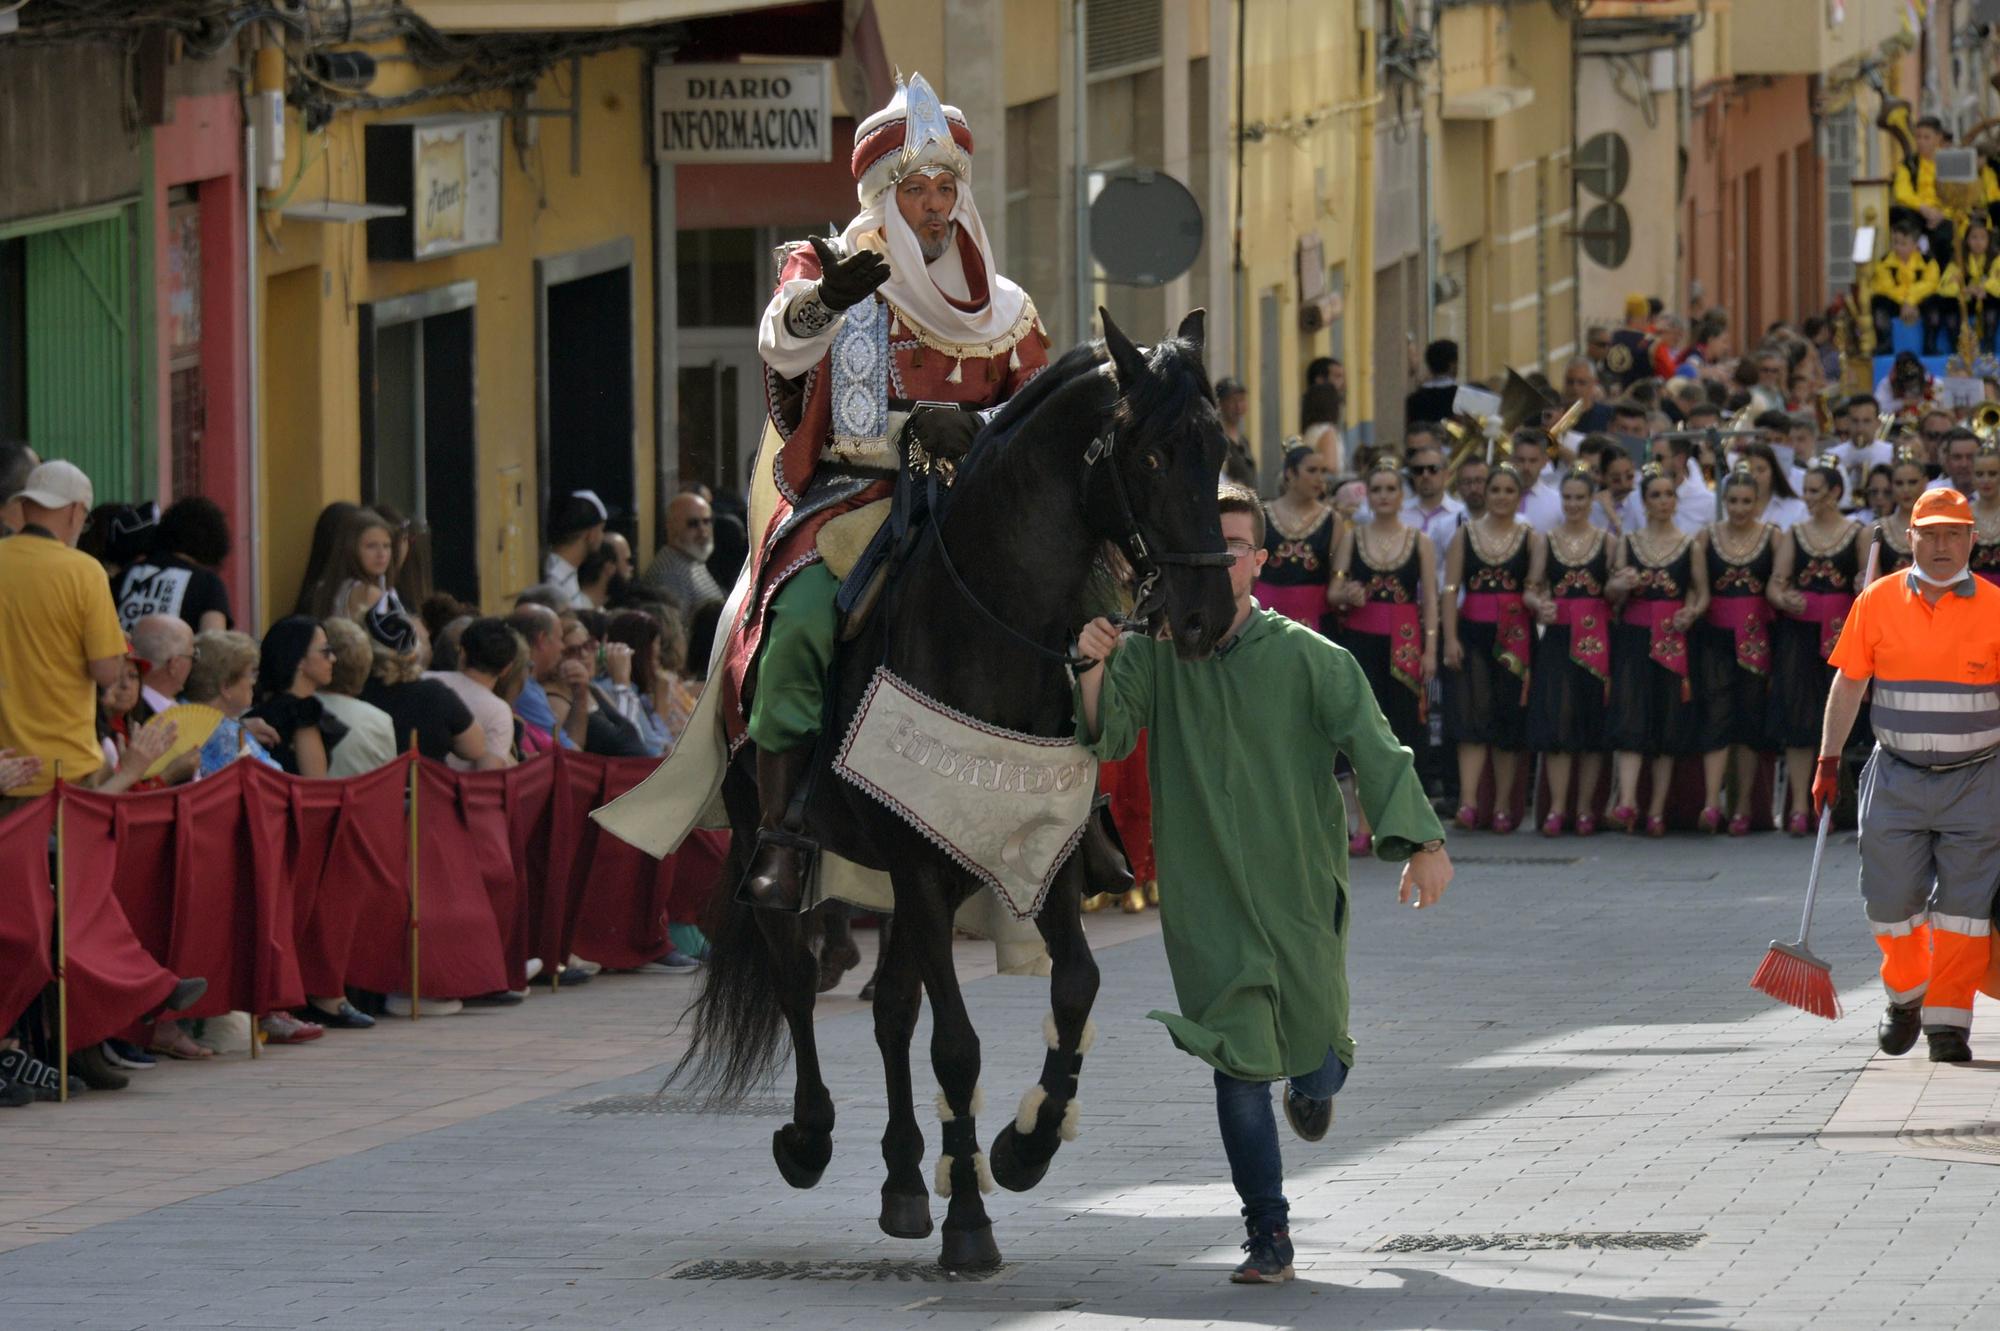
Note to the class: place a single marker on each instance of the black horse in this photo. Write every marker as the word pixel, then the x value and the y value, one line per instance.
pixel 1125 452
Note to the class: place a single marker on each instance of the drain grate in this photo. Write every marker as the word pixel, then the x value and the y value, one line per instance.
pixel 1975 1138
pixel 1517 859
pixel 829 1272
pixel 1617 1240
pixel 681 1104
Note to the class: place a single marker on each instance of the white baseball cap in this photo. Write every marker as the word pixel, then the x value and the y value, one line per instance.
pixel 57 485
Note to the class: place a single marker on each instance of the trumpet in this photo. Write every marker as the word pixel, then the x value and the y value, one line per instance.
pixel 1986 422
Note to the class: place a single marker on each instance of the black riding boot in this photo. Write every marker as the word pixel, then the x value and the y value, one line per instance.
pixel 774 880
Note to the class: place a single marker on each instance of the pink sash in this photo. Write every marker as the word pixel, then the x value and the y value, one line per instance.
pixel 1513 639
pixel 1403 627
pixel 1586 618
pixel 1304 602
pixel 1749 618
pixel 1669 646
pixel 1829 611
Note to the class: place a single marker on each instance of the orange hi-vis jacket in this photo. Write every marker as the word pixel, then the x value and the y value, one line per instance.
pixel 1927 829
pixel 1905 281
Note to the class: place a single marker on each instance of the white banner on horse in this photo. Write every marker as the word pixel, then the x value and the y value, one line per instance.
pixel 1008 807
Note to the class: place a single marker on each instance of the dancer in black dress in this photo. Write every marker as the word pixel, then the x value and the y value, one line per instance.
pixel 1572 672
pixel 1814 576
pixel 1658 589
pixel 1732 651
pixel 1488 643
pixel 1985 499
pixel 1889 538
pixel 1300 532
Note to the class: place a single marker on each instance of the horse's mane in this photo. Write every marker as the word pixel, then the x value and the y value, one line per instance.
pixel 1175 389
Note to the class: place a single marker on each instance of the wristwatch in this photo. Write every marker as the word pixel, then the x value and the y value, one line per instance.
pixel 1435 843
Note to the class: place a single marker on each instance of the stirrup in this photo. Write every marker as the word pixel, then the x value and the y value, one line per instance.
pixel 778 839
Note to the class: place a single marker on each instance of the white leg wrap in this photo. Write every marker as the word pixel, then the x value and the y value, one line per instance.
pixel 980 1169
pixel 943 1184
pixel 1031 1108
pixel 1053 1041
pixel 944 1106
pixel 983 1171
pixel 1072 1117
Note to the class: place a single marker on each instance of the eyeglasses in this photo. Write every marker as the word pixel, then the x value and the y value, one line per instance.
pixel 1425 469
pixel 701 522
pixel 1239 549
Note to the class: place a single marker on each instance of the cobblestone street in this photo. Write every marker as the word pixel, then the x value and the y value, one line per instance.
pixel 1569 1110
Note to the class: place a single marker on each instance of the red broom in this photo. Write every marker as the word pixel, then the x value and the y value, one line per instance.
pixel 1790 973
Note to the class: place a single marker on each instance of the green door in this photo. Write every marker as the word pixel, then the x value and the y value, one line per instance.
pixel 79 350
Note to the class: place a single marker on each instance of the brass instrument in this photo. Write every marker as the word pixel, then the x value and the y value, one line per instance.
pixel 1986 422
pixel 1467 437
pixel 1521 401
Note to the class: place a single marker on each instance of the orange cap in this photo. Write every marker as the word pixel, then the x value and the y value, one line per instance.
pixel 1942 507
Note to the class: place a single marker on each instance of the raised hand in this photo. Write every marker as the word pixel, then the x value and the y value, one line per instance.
pixel 849 281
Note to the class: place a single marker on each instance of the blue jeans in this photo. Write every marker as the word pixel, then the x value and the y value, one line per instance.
pixel 1250 1136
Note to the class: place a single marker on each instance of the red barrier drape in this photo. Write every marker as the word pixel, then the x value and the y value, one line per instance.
pixel 621 894
pixel 27 907
pixel 1131 793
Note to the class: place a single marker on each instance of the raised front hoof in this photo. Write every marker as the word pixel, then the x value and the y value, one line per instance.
pixel 801 1155
pixel 969 1250
pixel 906 1215
pixel 1012 1161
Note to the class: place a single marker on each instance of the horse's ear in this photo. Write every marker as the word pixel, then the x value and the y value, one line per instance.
pixel 1194 331
pixel 1125 357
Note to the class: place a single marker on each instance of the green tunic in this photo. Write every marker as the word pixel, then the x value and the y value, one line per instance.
pixel 1251 836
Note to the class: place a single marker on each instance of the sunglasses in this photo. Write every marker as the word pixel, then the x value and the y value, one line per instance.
pixel 1426 469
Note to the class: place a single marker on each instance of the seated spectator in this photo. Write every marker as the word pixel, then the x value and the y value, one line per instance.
pixel 164 645
pixel 444 643
pixel 357 573
pixel 488 652
pixel 421 708
pixel 178 577
pixel 597 579
pixel 438 611
pixel 371 735
pixel 132 738
pixel 547 595
pixel 659 650
pixel 679 572
pixel 606 732
pixel 541 629
pixel 294 666
pixel 224 677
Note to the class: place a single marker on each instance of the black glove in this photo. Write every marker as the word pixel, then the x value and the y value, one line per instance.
pixel 849 281
pixel 946 433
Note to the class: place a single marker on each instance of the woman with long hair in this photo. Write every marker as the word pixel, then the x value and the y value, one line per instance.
pixel 1300 532
pixel 294 664
pixel 1986 513
pixel 1814 577
pixel 410 566
pixel 1777 503
pixel 358 571
pixel 1889 536
pixel 326 534
pixel 1732 650
pixel 1572 666
pixel 1384 593
pixel 1877 495
pixel 1658 589
pixel 1488 641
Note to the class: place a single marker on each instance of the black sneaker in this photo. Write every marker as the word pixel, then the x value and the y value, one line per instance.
pixel 1309 1118
pixel 1900 1025
pixel 1270 1259
pixel 1949 1045
pixel 90 1064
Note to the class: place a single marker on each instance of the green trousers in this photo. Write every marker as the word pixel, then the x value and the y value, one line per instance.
pixel 797 655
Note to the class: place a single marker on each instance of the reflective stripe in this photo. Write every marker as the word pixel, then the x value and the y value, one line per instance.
pixel 1936 698
pixel 1905 996
pixel 1968 926
pixel 1960 1017
pixel 1900 928
pixel 1903 742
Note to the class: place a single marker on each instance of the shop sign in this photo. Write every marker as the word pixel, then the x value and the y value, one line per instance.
pixel 742 113
pixel 444 171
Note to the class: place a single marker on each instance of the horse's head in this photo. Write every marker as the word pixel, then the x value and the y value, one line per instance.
pixel 1166 448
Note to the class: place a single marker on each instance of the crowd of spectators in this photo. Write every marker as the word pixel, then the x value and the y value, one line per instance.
pixel 123 666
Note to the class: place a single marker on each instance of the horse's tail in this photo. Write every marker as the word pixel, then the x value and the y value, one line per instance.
pixel 739 1029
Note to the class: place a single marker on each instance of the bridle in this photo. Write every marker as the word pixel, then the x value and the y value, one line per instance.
pixel 1145 561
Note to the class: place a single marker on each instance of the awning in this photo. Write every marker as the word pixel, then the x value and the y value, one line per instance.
pixel 571 15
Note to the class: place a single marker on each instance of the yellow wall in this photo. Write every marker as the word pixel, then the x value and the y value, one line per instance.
pixel 317 275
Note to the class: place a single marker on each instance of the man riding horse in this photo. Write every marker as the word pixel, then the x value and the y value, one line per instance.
pixel 881 346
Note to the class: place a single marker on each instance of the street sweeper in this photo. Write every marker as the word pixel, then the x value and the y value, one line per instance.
pixel 1929 639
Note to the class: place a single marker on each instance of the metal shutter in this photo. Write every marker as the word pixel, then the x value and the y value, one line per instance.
pixel 79 304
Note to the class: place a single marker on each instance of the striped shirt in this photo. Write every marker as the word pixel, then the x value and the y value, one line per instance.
pixel 1936 668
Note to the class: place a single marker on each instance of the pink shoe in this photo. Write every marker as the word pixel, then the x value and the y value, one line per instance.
pixel 1624 817
pixel 1739 827
pixel 1710 820
pixel 1553 825
pixel 1360 844
pixel 1798 825
pixel 1586 824
pixel 1468 817
pixel 1656 826
pixel 1502 824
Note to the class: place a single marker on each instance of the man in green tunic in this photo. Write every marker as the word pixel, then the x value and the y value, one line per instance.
pixel 1252 843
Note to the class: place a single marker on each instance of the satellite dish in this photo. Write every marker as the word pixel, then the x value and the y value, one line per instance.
pixel 1604 165
pixel 1145 228
pixel 1607 235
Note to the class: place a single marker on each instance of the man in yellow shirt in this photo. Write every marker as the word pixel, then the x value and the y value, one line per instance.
pixel 1915 196
pixel 60 640
pixel 1903 285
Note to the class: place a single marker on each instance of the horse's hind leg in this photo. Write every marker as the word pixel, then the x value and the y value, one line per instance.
pixel 906 1207
pixel 1048 1113
pixel 803 1146
pixel 923 928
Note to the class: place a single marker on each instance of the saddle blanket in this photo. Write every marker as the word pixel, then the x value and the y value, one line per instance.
pixel 1008 807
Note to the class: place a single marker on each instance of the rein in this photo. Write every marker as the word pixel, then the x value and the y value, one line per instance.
pixel 1145 561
